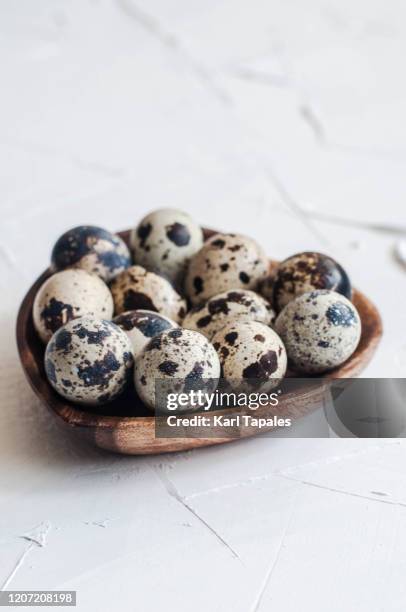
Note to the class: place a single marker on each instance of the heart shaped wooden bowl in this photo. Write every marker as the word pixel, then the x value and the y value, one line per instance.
pixel 131 430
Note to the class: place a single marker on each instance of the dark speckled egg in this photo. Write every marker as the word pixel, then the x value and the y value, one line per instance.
pixel 67 295
pixel 142 325
pixel 89 361
pixel 136 288
pixel 226 261
pixel 307 272
pixel 252 356
pixel 179 360
pixel 240 304
pixel 93 249
pixel 164 241
pixel 320 329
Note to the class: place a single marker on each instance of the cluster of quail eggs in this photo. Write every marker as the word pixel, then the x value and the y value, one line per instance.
pixel 174 307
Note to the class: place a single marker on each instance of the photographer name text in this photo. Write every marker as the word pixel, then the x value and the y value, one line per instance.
pixel 240 420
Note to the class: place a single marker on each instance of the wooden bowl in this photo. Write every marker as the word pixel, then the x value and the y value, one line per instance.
pixel 132 430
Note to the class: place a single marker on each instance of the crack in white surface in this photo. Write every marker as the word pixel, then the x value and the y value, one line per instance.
pixel 288 81
pixel 233 485
pixel 313 121
pixel 287 471
pixel 102 524
pixel 36 537
pixel 295 207
pixel 268 576
pixel 383 228
pixel 309 115
pixel 172 42
pixel 174 493
pixel 343 491
pixel 263 78
pixel 400 252
pixel 337 458
pixel 17 566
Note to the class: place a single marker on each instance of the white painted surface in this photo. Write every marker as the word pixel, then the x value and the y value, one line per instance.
pixel 271 117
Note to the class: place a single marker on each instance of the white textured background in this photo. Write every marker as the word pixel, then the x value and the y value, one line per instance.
pixel 284 119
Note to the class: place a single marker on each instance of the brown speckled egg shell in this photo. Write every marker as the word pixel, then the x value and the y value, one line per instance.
pixel 181 359
pixel 164 241
pixel 305 272
pixel 142 325
pixel 252 356
pixel 67 295
pixel 241 304
pixel 89 361
pixel 136 288
pixel 320 329
pixel 226 261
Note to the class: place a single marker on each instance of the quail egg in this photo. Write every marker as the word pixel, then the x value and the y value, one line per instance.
pixel 136 288
pixel 93 249
pixel 142 325
pixel 321 329
pixel 241 304
pixel 251 354
pixel 67 295
pixel 164 241
pixel 226 261
pixel 307 272
pixel 181 360
pixel 89 361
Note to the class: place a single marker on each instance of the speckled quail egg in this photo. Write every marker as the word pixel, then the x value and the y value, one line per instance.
pixel 251 354
pixel 321 329
pixel 89 361
pixel 67 295
pixel 136 288
pixel 164 241
pixel 226 261
pixel 93 249
pixel 241 304
pixel 180 359
pixel 142 325
pixel 308 272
